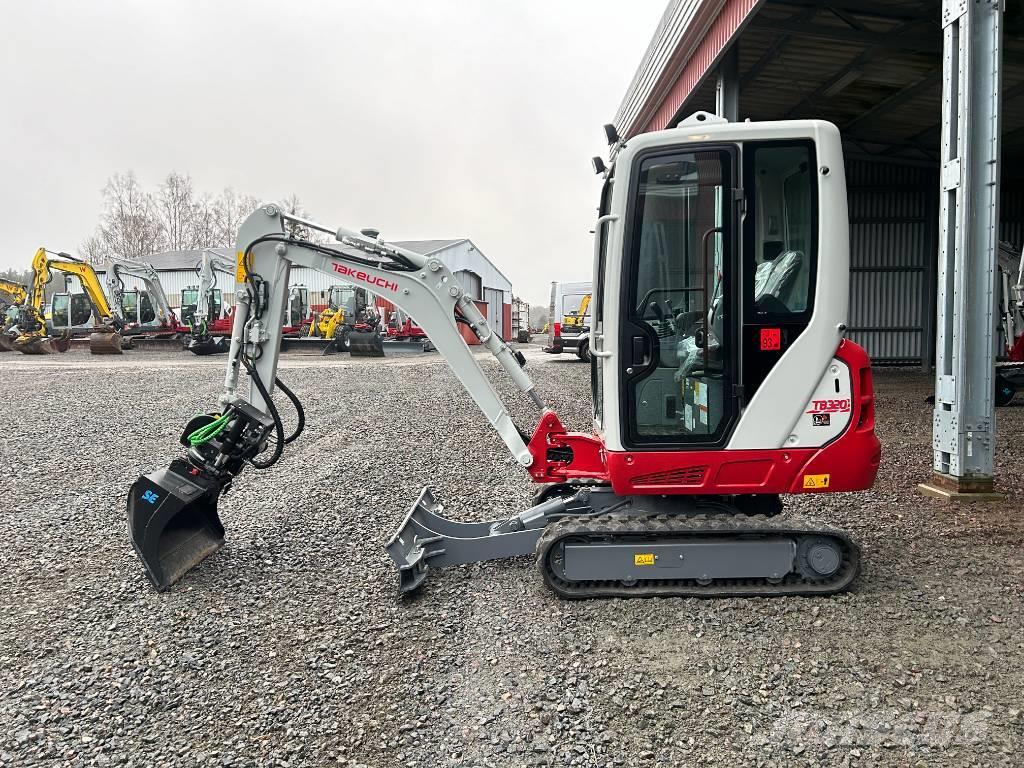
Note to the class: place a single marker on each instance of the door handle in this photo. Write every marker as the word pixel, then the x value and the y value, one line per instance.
pixel 641 348
pixel 599 339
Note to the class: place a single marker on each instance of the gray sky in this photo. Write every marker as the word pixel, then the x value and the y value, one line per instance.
pixel 430 119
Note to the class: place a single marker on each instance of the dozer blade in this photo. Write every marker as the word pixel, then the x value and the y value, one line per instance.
pixel 173 522
pixel 105 343
pixel 365 344
pixel 427 539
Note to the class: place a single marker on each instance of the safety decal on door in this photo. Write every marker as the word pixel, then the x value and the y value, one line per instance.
pixel 816 481
pixel 647 558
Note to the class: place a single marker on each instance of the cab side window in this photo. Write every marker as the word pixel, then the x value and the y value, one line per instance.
pixel 785 241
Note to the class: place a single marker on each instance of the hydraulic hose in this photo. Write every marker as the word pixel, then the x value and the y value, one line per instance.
pixel 278 426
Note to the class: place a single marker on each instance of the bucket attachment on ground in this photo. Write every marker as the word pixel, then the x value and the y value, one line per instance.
pixel 105 343
pixel 7 342
pixel 173 522
pixel 32 344
pixel 365 344
pixel 207 345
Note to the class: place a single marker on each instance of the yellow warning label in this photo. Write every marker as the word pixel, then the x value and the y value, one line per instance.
pixel 816 481
pixel 240 273
pixel 643 559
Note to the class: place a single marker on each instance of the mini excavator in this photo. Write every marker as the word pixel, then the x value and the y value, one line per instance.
pixel 33 339
pixel 721 381
pixel 140 311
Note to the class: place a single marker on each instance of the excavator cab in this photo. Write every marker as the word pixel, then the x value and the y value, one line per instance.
pixel 70 312
pixel 190 299
pixel 137 308
pixel 298 306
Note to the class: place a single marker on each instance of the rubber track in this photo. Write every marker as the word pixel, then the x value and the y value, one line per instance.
pixel 651 528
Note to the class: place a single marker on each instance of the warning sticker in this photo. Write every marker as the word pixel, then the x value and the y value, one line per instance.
pixel 645 558
pixel 816 481
pixel 241 274
pixel 821 419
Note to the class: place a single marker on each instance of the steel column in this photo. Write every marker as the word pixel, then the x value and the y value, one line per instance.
pixel 727 86
pixel 964 422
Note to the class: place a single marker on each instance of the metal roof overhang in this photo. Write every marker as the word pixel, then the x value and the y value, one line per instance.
pixel 872 68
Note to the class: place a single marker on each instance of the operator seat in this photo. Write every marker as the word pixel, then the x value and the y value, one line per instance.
pixel 776 282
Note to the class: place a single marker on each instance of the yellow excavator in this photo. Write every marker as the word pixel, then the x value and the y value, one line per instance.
pixel 12 297
pixel 32 336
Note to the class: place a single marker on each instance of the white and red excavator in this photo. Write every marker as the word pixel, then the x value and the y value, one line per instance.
pixel 721 381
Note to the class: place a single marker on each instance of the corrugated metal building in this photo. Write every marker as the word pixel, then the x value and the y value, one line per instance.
pixel 873 69
pixel 474 271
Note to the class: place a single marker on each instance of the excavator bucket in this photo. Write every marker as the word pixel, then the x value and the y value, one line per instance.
pixel 41 345
pixel 365 344
pixel 105 343
pixel 173 522
pixel 207 345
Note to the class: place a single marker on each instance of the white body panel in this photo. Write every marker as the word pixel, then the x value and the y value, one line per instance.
pixel 828 412
pixel 769 417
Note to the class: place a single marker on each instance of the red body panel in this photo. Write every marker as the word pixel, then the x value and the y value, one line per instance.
pixel 406 329
pixel 850 461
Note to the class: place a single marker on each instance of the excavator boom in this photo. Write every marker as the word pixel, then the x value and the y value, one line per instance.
pixel 172 515
pixel 200 341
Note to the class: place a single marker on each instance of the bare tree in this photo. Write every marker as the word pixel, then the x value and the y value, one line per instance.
pixel 229 210
pixel 204 224
pixel 293 205
pixel 94 249
pixel 128 225
pixel 176 209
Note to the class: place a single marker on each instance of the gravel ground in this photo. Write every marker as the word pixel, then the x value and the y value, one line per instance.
pixel 291 647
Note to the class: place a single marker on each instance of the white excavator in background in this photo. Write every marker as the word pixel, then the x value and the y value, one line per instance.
pixel 140 311
pixel 712 398
pixel 210 334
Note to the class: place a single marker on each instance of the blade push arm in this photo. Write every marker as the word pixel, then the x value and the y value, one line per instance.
pixel 421 286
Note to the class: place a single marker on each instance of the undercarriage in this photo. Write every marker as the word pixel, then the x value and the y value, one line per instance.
pixel 590 543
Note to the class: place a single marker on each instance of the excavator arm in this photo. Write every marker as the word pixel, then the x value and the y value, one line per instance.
pixel 424 287
pixel 201 342
pixel 16 292
pixel 172 515
pixel 117 267
pixel 211 263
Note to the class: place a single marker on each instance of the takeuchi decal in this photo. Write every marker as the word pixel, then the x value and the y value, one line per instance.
pixel 830 406
pixel 363 277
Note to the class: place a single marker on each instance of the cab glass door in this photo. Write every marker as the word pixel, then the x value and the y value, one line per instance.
pixel 677 345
